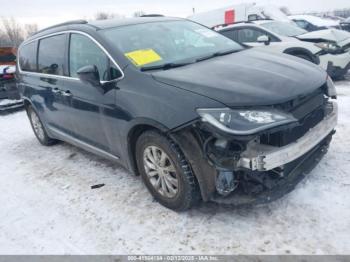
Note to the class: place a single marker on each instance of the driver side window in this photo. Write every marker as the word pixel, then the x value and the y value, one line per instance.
pixel 251 35
pixel 82 52
pixel 248 35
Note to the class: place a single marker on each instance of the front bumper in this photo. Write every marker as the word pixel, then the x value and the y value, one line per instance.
pixel 259 157
pixel 9 95
pixel 298 171
pixel 335 65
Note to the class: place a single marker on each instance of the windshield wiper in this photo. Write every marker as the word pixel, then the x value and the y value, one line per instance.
pixel 165 66
pixel 220 53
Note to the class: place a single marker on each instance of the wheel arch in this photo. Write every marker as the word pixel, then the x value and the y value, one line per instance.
pixel 203 173
pixel 138 127
pixel 27 102
pixel 294 51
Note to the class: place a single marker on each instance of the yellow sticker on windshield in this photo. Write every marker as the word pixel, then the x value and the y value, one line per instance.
pixel 143 57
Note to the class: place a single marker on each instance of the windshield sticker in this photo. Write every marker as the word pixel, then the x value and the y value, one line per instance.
pixel 206 32
pixel 143 57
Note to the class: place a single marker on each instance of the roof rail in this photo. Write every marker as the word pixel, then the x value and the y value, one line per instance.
pixel 241 22
pixel 73 22
pixel 225 25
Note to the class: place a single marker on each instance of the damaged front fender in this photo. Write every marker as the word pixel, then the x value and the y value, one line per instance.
pixel 205 173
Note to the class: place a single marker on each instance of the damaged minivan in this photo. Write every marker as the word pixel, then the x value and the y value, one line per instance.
pixel 197 115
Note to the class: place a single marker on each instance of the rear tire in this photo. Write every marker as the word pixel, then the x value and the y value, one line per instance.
pixel 38 128
pixel 165 171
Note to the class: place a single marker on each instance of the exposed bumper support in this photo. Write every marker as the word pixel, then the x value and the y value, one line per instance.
pixel 263 157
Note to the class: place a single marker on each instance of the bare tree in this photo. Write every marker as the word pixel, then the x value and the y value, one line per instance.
pixel 30 29
pixel 13 31
pixel 4 40
pixel 139 13
pixel 104 16
pixel 285 10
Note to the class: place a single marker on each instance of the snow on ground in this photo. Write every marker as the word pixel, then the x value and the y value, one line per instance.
pixel 48 207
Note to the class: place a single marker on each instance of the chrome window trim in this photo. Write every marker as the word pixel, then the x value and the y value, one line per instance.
pixel 68 77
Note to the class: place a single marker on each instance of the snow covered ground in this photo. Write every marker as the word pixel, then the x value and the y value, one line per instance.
pixel 48 207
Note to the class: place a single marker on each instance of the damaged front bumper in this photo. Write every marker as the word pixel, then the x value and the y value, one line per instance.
pixel 259 157
pixel 336 65
pixel 241 170
pixel 10 98
pixel 297 171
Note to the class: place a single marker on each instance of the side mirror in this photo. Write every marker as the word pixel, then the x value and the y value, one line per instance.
pixel 89 74
pixel 264 39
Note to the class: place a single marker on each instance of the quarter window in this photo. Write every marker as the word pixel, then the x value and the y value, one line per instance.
pixel 51 55
pixel 27 57
pixel 82 52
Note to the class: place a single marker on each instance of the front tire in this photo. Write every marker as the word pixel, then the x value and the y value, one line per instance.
pixel 38 128
pixel 165 171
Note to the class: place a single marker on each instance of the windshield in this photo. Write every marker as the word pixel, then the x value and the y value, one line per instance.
pixel 168 42
pixel 284 28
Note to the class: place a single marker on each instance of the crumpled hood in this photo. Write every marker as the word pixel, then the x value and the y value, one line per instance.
pixel 249 77
pixel 340 37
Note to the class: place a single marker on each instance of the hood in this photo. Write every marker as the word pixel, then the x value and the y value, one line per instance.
pixel 333 35
pixel 315 20
pixel 246 78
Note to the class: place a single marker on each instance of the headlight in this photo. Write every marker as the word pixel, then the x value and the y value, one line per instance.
pixel 331 91
pixel 244 122
pixel 329 47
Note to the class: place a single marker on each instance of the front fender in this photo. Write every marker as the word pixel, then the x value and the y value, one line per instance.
pixel 203 171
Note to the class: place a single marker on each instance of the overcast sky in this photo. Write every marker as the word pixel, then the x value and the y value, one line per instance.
pixel 46 13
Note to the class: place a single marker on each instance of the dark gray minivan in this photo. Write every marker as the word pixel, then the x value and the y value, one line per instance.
pixel 197 115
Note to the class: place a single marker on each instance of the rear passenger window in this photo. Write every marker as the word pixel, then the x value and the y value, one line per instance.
pixel 27 57
pixel 227 33
pixel 82 52
pixel 248 35
pixel 51 55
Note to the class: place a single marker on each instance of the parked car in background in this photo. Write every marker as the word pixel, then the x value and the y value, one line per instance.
pixel 254 35
pixel 238 13
pixel 196 114
pixel 335 46
pixel 345 25
pixel 314 23
pixel 328 48
pixel 9 95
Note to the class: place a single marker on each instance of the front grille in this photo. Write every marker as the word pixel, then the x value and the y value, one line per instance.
pixel 309 110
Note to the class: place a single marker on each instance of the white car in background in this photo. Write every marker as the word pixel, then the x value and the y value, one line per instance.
pixel 328 48
pixel 314 23
pixel 345 25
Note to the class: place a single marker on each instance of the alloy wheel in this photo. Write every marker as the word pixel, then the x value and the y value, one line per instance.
pixel 37 126
pixel 160 171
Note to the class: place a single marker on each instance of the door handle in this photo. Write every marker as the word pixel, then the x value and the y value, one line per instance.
pixel 56 90
pixel 66 93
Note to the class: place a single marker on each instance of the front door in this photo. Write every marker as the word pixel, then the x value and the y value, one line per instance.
pixel 92 105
